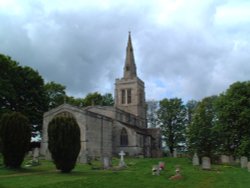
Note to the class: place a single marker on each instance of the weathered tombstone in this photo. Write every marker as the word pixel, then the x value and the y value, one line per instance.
pixel 206 163
pixel 243 162
pixel 122 162
pixel 107 162
pixel 224 159
pixel 155 170
pixel 248 166
pixel 175 153
pixel 195 160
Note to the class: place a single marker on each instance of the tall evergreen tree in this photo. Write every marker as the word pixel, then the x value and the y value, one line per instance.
pixel 64 142
pixel 15 135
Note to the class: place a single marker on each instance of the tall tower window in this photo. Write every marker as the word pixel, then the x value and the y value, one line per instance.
pixel 123 96
pixel 126 96
pixel 124 137
pixel 129 96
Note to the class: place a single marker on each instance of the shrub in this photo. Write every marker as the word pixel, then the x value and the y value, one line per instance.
pixel 64 142
pixel 15 135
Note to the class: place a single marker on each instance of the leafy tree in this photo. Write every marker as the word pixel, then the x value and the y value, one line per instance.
pixel 56 94
pixel 107 99
pixel 93 99
pixel 15 134
pixel 172 118
pixel 64 142
pixel 202 134
pixel 234 117
pixel 152 107
pixel 21 90
pixel 191 106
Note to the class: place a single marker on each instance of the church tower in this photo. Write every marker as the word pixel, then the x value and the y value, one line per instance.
pixel 129 90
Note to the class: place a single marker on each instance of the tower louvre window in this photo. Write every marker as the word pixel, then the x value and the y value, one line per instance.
pixel 123 96
pixel 129 96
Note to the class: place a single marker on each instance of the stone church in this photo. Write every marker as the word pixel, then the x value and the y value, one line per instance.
pixel 106 130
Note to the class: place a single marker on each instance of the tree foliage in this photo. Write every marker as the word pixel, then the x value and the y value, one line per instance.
pixel 21 90
pixel 234 117
pixel 15 135
pixel 172 118
pixel 202 134
pixel 55 93
pixel 64 142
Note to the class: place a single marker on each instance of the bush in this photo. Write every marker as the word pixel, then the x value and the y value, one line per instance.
pixel 15 135
pixel 64 142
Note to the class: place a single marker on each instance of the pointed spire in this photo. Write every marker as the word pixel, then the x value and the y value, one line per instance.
pixel 130 67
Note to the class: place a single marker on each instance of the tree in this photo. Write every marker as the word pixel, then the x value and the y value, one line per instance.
pixel 56 94
pixel 202 134
pixel 234 116
pixel 21 90
pixel 172 119
pixel 64 142
pixel 93 99
pixel 107 99
pixel 15 135
pixel 152 107
pixel 191 106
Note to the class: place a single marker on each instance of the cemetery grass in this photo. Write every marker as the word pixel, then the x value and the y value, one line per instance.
pixel 137 175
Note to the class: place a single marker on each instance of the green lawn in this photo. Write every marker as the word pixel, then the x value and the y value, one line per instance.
pixel 136 175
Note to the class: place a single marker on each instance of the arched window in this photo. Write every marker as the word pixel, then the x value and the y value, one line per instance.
pixel 124 137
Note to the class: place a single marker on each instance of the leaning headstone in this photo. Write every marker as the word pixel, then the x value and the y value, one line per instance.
pixel 107 162
pixel 206 163
pixel 175 153
pixel 122 162
pixel 195 160
pixel 248 166
pixel 243 162
pixel 224 159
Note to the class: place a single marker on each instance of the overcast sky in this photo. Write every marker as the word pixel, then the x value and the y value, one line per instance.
pixel 183 48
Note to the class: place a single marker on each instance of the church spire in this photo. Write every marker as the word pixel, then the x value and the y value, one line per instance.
pixel 130 67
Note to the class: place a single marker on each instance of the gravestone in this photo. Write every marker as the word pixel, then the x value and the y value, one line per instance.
pixel 231 159
pixel 243 162
pixel 195 160
pixel 248 166
pixel 175 153
pixel 107 162
pixel 206 163
pixel 224 159
pixel 155 170
pixel 122 162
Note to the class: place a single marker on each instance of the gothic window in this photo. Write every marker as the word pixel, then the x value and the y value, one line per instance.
pixel 123 96
pixel 129 96
pixel 124 137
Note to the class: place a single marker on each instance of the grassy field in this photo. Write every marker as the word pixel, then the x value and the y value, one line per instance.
pixel 136 175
